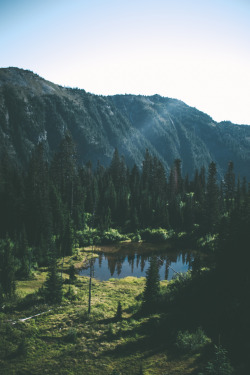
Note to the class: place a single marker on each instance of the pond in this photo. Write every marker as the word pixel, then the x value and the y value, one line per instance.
pixel 132 259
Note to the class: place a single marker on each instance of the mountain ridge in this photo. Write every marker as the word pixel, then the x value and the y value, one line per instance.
pixel 32 109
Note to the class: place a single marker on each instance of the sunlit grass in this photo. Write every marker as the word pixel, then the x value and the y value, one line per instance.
pixel 66 340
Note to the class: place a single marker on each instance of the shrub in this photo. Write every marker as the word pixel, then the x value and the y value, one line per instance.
pixel 23 347
pixel 220 365
pixel 190 342
pixel 155 235
pixel 72 274
pixel 112 236
pixel 71 335
pixel 135 237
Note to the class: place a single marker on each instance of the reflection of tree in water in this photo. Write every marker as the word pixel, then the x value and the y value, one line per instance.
pixel 131 259
pixel 115 264
pixel 137 261
pixel 111 264
pixel 143 259
pixel 140 261
pixel 100 260
pixel 120 261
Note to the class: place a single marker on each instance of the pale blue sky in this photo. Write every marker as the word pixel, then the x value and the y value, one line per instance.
pixel 195 51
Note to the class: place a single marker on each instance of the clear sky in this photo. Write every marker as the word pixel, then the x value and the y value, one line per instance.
pixel 197 51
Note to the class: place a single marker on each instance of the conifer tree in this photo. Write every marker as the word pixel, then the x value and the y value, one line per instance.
pixel 72 274
pixel 67 238
pixel 7 267
pixel 38 219
pixel 152 287
pixel 212 199
pixel 24 255
pixel 64 171
pixel 229 186
pixel 53 284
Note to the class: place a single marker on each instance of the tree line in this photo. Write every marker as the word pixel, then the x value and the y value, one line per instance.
pixel 44 206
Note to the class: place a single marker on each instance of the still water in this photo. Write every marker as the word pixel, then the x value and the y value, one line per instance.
pixel 130 259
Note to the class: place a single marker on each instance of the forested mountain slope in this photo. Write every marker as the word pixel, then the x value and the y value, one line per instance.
pixel 32 109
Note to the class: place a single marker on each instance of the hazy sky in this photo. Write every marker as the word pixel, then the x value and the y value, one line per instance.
pixel 195 51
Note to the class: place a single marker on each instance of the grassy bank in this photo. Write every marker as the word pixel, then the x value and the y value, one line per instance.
pixel 66 340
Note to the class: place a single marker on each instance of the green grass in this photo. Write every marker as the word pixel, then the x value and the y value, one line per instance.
pixel 66 340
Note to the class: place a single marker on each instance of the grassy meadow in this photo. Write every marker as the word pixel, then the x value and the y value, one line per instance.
pixel 66 340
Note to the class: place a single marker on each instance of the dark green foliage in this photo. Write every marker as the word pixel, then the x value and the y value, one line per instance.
pixel 54 197
pixel 155 235
pixel 24 254
pixel 38 219
pixel 72 274
pixel 23 347
pixel 152 287
pixel 115 372
pixel 220 365
pixel 229 186
pixel 67 239
pixel 53 284
pixel 211 200
pixel 188 342
pixel 7 268
pixel 141 372
pixel 71 335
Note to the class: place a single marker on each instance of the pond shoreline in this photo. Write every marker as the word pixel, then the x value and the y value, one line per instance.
pixel 132 259
pixel 123 245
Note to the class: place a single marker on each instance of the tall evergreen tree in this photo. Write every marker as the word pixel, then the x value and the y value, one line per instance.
pixel 212 199
pixel 7 267
pixel 38 219
pixel 152 287
pixel 64 171
pixel 24 254
pixel 53 284
pixel 229 186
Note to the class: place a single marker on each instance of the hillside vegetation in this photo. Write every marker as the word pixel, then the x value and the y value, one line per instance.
pixel 32 109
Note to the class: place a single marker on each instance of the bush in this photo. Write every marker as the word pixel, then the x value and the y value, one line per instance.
pixel 112 236
pixel 135 237
pixel 72 274
pixel 155 235
pixel 71 335
pixel 23 347
pixel 93 236
pixel 220 365
pixel 87 237
pixel 190 342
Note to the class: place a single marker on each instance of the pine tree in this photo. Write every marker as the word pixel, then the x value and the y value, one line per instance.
pixel 53 284
pixel 152 287
pixel 229 186
pixel 72 274
pixel 64 171
pixel 38 218
pixel 7 267
pixel 24 255
pixel 212 199
pixel 67 238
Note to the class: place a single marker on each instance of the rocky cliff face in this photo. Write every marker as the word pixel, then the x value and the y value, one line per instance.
pixel 33 109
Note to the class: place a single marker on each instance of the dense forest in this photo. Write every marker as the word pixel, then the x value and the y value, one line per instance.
pixel 57 205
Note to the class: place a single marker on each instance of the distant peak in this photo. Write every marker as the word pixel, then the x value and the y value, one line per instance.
pixel 27 79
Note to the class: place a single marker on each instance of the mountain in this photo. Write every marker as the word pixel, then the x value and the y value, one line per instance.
pixel 33 109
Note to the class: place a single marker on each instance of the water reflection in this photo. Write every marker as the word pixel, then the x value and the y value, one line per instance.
pixel 134 262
